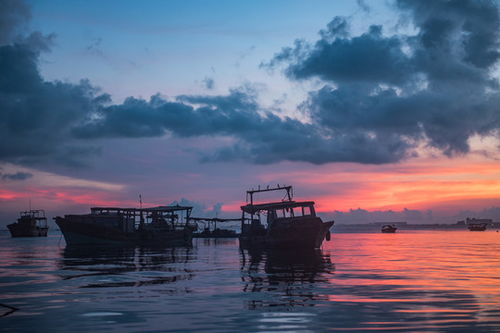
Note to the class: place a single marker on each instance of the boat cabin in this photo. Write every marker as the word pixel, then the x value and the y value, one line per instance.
pixel 258 218
pixel 36 218
pixel 265 215
pixel 278 211
pixel 282 224
pixel 132 219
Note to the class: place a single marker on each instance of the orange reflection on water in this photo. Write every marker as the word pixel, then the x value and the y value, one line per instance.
pixel 425 272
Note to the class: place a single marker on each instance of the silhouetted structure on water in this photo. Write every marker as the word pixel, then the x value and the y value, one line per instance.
pixel 288 223
pixel 389 229
pixel 474 224
pixel 163 225
pixel 32 223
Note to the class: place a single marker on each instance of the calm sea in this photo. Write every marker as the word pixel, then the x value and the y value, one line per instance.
pixel 419 281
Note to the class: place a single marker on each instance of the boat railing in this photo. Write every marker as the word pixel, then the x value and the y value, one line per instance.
pixel 36 216
pixel 34 213
pixel 174 217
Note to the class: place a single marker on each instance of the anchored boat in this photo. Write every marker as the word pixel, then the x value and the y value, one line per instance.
pixel 477 227
pixel 283 224
pixel 389 229
pixel 162 225
pixel 474 224
pixel 32 223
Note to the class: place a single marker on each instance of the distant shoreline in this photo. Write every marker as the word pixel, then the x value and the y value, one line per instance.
pixel 423 226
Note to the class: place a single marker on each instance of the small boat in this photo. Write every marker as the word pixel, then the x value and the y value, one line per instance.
pixel 389 229
pixel 162 225
pixel 474 224
pixel 32 223
pixel 211 231
pixel 284 224
pixel 477 227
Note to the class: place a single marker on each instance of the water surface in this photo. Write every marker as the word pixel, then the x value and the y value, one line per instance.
pixel 421 281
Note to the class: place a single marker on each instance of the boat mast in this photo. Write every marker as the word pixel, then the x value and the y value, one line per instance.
pixel 288 189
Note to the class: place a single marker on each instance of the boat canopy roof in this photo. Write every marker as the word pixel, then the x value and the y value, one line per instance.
pixel 252 209
pixel 160 209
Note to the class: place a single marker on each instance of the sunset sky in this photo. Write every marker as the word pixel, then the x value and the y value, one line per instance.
pixel 373 109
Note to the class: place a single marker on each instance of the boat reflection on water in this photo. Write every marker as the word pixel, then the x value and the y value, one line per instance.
pixel 284 278
pixel 219 241
pixel 109 266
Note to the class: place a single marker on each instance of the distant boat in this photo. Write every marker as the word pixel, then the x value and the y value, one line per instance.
pixel 288 223
pixel 477 227
pixel 474 224
pixel 32 223
pixel 163 225
pixel 389 229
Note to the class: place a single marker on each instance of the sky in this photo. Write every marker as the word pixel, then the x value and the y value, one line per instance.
pixel 376 110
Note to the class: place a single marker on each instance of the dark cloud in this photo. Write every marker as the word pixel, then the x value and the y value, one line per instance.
pixel 17 176
pixel 44 121
pixel 467 30
pixel 435 87
pixel 14 16
pixel 444 118
pixel 383 95
pixel 370 57
pixel 36 116
pixel 260 136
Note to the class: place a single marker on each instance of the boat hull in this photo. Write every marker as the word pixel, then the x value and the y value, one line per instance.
pixel 477 228
pixel 80 233
pixel 23 230
pixel 307 235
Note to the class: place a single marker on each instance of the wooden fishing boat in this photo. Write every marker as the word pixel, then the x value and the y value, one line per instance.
pixel 284 224
pixel 474 224
pixel 162 225
pixel 31 223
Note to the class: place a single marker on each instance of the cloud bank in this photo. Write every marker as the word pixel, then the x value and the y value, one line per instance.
pixel 383 96
pixel 16 176
pixel 435 87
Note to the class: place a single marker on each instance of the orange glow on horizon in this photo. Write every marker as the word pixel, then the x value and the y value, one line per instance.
pixel 440 184
pixel 424 183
